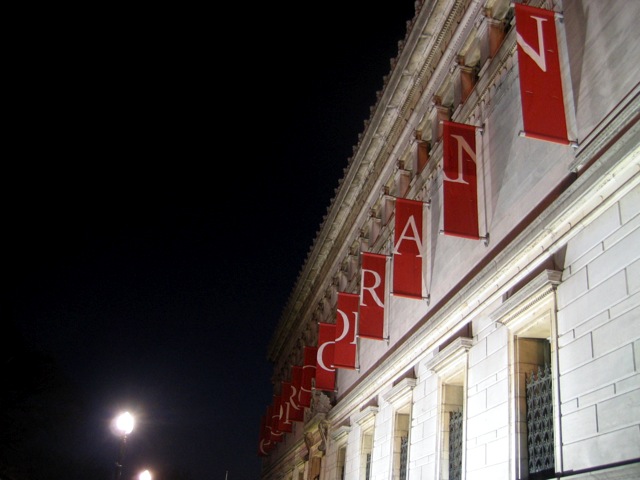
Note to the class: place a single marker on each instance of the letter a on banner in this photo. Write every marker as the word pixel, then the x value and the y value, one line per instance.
pixel 346 320
pixel 372 296
pixel 325 373
pixel 459 186
pixel 407 249
pixel 543 111
pixel 308 374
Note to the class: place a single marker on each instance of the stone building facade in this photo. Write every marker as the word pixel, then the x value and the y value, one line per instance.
pixel 521 359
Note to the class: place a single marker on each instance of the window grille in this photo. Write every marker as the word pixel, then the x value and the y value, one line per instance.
pixel 404 448
pixel 368 467
pixel 455 445
pixel 540 422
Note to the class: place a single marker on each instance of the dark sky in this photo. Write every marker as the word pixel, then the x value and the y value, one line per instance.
pixel 168 172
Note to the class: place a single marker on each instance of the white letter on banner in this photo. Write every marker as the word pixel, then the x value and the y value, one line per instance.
pixel 320 359
pixel 371 290
pixel 411 222
pixel 538 57
pixel 345 330
pixel 462 145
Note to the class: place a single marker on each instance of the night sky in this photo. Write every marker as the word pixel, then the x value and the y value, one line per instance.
pixel 168 172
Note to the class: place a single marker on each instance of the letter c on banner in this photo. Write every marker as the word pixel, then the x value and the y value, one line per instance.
pixel 321 360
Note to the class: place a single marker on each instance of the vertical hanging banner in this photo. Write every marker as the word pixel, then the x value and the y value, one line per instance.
pixel 541 94
pixel 308 374
pixel 459 185
pixel 372 296
pixel 276 434
pixel 325 373
pixel 285 424
pixel 267 427
pixel 344 355
pixel 296 412
pixel 407 249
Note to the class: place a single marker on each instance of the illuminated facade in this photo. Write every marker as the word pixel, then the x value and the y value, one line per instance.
pixel 519 354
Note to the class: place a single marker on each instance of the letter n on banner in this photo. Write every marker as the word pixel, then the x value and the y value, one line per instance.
pixel 460 184
pixel 372 296
pixel 407 249
pixel 345 349
pixel 543 111
pixel 325 373
pixel 308 374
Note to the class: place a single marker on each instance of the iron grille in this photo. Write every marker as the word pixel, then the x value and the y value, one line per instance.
pixel 455 445
pixel 404 448
pixel 540 421
pixel 368 467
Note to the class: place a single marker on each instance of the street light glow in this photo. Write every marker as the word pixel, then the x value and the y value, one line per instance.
pixel 124 423
pixel 146 475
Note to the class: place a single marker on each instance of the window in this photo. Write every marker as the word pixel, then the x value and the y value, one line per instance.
pixel 367 474
pixel 366 420
pixel 342 457
pixel 539 398
pixel 339 437
pixel 401 399
pixel 455 444
pixel 450 364
pixel 401 445
pixel 530 316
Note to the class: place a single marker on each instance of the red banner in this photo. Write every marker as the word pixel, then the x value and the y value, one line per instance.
pixel 460 186
pixel 274 411
pixel 325 373
pixel 541 94
pixel 308 374
pixel 407 249
pixel 344 355
pixel 372 296
pixel 297 410
pixel 285 424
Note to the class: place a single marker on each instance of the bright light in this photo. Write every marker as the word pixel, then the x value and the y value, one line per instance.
pixel 124 423
pixel 146 475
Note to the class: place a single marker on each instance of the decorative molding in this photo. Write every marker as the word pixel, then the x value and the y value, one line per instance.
pixel 400 393
pixel 526 298
pixel 340 432
pixel 451 357
pixel 365 416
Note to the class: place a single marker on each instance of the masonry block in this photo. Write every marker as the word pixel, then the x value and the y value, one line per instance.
pixel 633 277
pixel 597 374
pixel 575 353
pixel 488 367
pixel 614 258
pixel 579 425
pixel 630 205
pixel 573 287
pixel 592 303
pixel 604 449
pixel 616 333
pixel 632 302
pixel 620 411
pixel 593 234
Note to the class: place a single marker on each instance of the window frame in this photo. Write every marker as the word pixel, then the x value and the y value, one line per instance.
pixel 530 313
